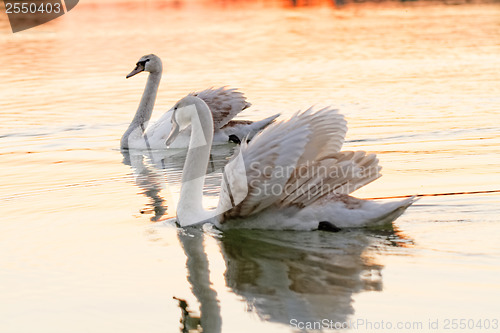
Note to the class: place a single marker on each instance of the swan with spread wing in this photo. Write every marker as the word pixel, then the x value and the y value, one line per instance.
pixel 224 103
pixel 291 176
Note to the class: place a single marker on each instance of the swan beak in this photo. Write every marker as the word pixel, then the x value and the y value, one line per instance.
pixel 139 68
pixel 173 134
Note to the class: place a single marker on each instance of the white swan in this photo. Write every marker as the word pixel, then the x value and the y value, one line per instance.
pixel 291 176
pixel 224 103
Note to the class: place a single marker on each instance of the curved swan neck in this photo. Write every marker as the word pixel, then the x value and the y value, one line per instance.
pixel 145 109
pixel 190 208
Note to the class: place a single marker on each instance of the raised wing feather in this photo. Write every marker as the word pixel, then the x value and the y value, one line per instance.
pixel 272 157
pixel 225 103
pixel 335 174
pixel 328 132
pixel 294 163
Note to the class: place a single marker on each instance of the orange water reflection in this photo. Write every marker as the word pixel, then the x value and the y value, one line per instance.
pixel 418 84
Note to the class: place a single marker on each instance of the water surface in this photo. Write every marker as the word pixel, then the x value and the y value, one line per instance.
pixel 418 84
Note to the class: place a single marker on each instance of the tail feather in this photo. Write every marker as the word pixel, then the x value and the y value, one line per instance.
pixel 247 130
pixel 396 209
pixel 261 124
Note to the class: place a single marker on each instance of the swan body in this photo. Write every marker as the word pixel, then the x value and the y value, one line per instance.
pixel 291 176
pixel 224 103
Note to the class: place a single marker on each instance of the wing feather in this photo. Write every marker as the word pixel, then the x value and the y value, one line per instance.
pixel 225 103
pixel 339 174
pixel 297 162
pixel 278 147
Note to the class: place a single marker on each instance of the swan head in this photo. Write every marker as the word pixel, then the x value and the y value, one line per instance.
pixel 183 114
pixel 148 63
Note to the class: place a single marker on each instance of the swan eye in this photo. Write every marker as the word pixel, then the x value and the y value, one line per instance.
pixel 142 63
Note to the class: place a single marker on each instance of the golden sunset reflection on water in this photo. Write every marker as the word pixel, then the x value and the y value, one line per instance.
pixel 418 83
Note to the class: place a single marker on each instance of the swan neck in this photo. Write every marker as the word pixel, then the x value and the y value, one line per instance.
pixel 190 208
pixel 145 109
pixel 148 99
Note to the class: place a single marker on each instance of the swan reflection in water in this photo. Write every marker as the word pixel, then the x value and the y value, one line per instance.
pixel 286 277
pixel 156 170
pixel 282 276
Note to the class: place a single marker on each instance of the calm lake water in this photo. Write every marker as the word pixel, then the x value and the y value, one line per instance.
pixel 419 85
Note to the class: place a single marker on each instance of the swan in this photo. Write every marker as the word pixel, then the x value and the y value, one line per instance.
pixel 224 103
pixel 291 176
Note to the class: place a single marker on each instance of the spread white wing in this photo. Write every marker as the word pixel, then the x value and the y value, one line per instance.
pixel 288 160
